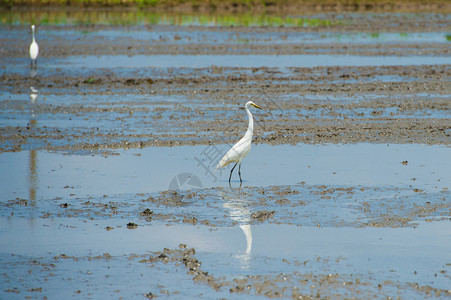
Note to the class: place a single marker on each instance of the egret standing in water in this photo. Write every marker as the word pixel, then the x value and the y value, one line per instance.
pixel 34 49
pixel 242 148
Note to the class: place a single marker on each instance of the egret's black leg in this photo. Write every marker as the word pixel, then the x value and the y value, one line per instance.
pixel 232 171
pixel 239 173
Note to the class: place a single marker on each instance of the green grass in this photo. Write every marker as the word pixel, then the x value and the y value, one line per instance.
pixel 248 3
pixel 75 17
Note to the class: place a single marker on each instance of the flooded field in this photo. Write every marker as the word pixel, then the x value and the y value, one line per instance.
pixel 109 148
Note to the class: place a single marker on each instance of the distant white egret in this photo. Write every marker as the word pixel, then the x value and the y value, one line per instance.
pixel 242 148
pixel 34 49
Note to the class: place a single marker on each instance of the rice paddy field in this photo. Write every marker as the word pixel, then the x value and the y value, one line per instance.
pixel 109 147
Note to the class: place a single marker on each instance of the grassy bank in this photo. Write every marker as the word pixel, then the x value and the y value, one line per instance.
pixel 285 6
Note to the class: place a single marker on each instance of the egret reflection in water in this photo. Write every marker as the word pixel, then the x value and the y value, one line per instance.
pixel 33 156
pixel 33 97
pixel 239 211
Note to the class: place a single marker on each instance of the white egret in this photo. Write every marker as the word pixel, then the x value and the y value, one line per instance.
pixel 242 148
pixel 34 49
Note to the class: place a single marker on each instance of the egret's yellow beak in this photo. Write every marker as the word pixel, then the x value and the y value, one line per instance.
pixel 255 105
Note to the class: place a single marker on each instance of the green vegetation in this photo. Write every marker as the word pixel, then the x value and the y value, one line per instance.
pixel 448 37
pixel 256 6
pixel 76 17
pixel 249 3
pixel 91 80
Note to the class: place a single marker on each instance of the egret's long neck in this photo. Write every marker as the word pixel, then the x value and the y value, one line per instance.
pixel 32 32
pixel 250 128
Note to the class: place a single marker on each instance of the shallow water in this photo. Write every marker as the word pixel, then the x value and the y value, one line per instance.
pixel 244 61
pixel 173 35
pixel 152 169
pixel 182 36
pixel 157 65
pixel 55 245
pixel 400 255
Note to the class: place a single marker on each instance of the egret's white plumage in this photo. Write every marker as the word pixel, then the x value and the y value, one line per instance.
pixel 242 148
pixel 34 48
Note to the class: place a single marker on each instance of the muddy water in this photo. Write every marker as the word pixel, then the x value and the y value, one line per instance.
pixel 346 212
pixel 344 253
pixel 245 61
pixel 108 151
pixel 151 170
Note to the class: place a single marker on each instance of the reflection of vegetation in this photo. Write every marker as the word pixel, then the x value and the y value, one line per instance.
pixel 141 17
pixel 91 80
pixel 243 41
pixel 448 37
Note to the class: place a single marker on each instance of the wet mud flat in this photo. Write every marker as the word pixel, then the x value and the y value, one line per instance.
pixel 163 85
pixel 271 242
pixel 399 104
pixel 136 254
pixel 345 193
pixel 212 267
pixel 335 229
